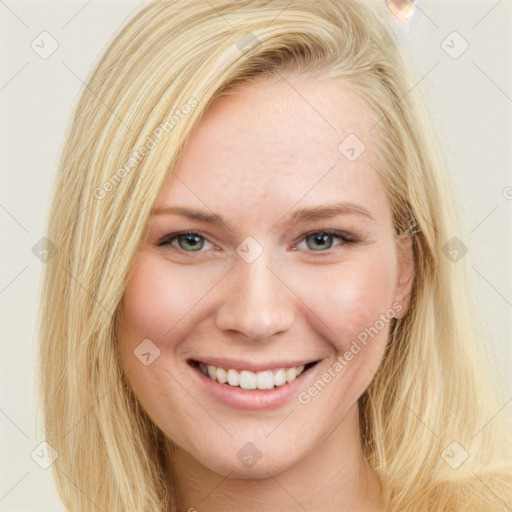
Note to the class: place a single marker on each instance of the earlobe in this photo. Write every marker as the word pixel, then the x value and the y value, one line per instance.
pixel 405 276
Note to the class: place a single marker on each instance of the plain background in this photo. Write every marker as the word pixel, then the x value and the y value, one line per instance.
pixel 470 97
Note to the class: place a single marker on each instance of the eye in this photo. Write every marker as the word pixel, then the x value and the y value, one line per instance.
pixel 316 241
pixel 188 240
pixel 321 241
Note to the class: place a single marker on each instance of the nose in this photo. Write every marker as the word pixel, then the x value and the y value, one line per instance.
pixel 256 303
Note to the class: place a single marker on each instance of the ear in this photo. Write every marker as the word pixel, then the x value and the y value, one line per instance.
pixel 405 276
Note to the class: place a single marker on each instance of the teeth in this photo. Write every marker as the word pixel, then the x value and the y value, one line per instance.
pixel 212 372
pixel 266 379
pixel 233 378
pixel 291 374
pixel 279 377
pixel 248 380
pixel 222 376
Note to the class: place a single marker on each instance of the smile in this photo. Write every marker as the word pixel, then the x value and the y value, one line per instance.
pixel 252 386
pixel 249 380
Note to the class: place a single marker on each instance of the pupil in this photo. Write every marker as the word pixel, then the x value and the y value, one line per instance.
pixel 320 239
pixel 191 240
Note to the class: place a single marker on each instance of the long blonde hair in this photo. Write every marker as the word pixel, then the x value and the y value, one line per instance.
pixel 431 401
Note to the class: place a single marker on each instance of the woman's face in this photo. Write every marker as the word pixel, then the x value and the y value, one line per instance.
pixel 265 286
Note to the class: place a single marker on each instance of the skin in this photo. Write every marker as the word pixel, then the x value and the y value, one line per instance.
pixel 257 156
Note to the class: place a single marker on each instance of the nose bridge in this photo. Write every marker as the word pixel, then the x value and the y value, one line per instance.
pixel 257 303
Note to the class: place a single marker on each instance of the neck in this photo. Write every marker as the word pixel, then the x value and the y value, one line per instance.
pixel 333 476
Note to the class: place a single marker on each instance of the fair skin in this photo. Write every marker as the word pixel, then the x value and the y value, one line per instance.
pixel 255 158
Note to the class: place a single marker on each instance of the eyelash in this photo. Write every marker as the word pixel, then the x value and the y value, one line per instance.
pixel 343 236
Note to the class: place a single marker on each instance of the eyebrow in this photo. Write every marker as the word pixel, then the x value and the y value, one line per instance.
pixel 304 214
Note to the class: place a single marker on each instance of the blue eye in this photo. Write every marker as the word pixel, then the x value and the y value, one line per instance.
pixel 319 238
pixel 325 238
pixel 193 242
pixel 185 240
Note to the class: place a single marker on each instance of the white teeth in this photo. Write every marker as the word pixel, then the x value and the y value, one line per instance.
pixel 266 379
pixel 248 380
pixel 233 378
pixel 212 372
pixel 291 374
pixel 222 376
pixel 279 377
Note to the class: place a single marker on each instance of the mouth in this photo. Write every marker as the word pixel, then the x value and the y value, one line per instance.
pixel 249 380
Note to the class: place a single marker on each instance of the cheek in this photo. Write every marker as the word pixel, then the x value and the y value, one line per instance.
pixel 158 300
pixel 366 294
pixel 356 295
pixel 156 310
pixel 354 315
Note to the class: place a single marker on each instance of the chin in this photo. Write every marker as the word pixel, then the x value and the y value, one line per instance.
pixel 249 463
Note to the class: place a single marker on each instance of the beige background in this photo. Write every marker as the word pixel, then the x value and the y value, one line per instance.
pixel 470 96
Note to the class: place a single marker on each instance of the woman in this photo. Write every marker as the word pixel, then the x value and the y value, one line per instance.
pixel 199 350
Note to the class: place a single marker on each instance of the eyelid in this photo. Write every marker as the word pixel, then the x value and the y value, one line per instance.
pixel 344 236
pixel 170 237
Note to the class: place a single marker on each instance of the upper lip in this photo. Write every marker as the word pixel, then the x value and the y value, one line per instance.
pixel 239 364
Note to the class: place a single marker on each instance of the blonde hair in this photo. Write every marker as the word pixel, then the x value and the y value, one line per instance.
pixel 432 388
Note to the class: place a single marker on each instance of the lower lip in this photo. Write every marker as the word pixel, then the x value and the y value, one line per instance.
pixel 257 399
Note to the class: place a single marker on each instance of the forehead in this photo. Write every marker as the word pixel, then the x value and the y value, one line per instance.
pixel 276 143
